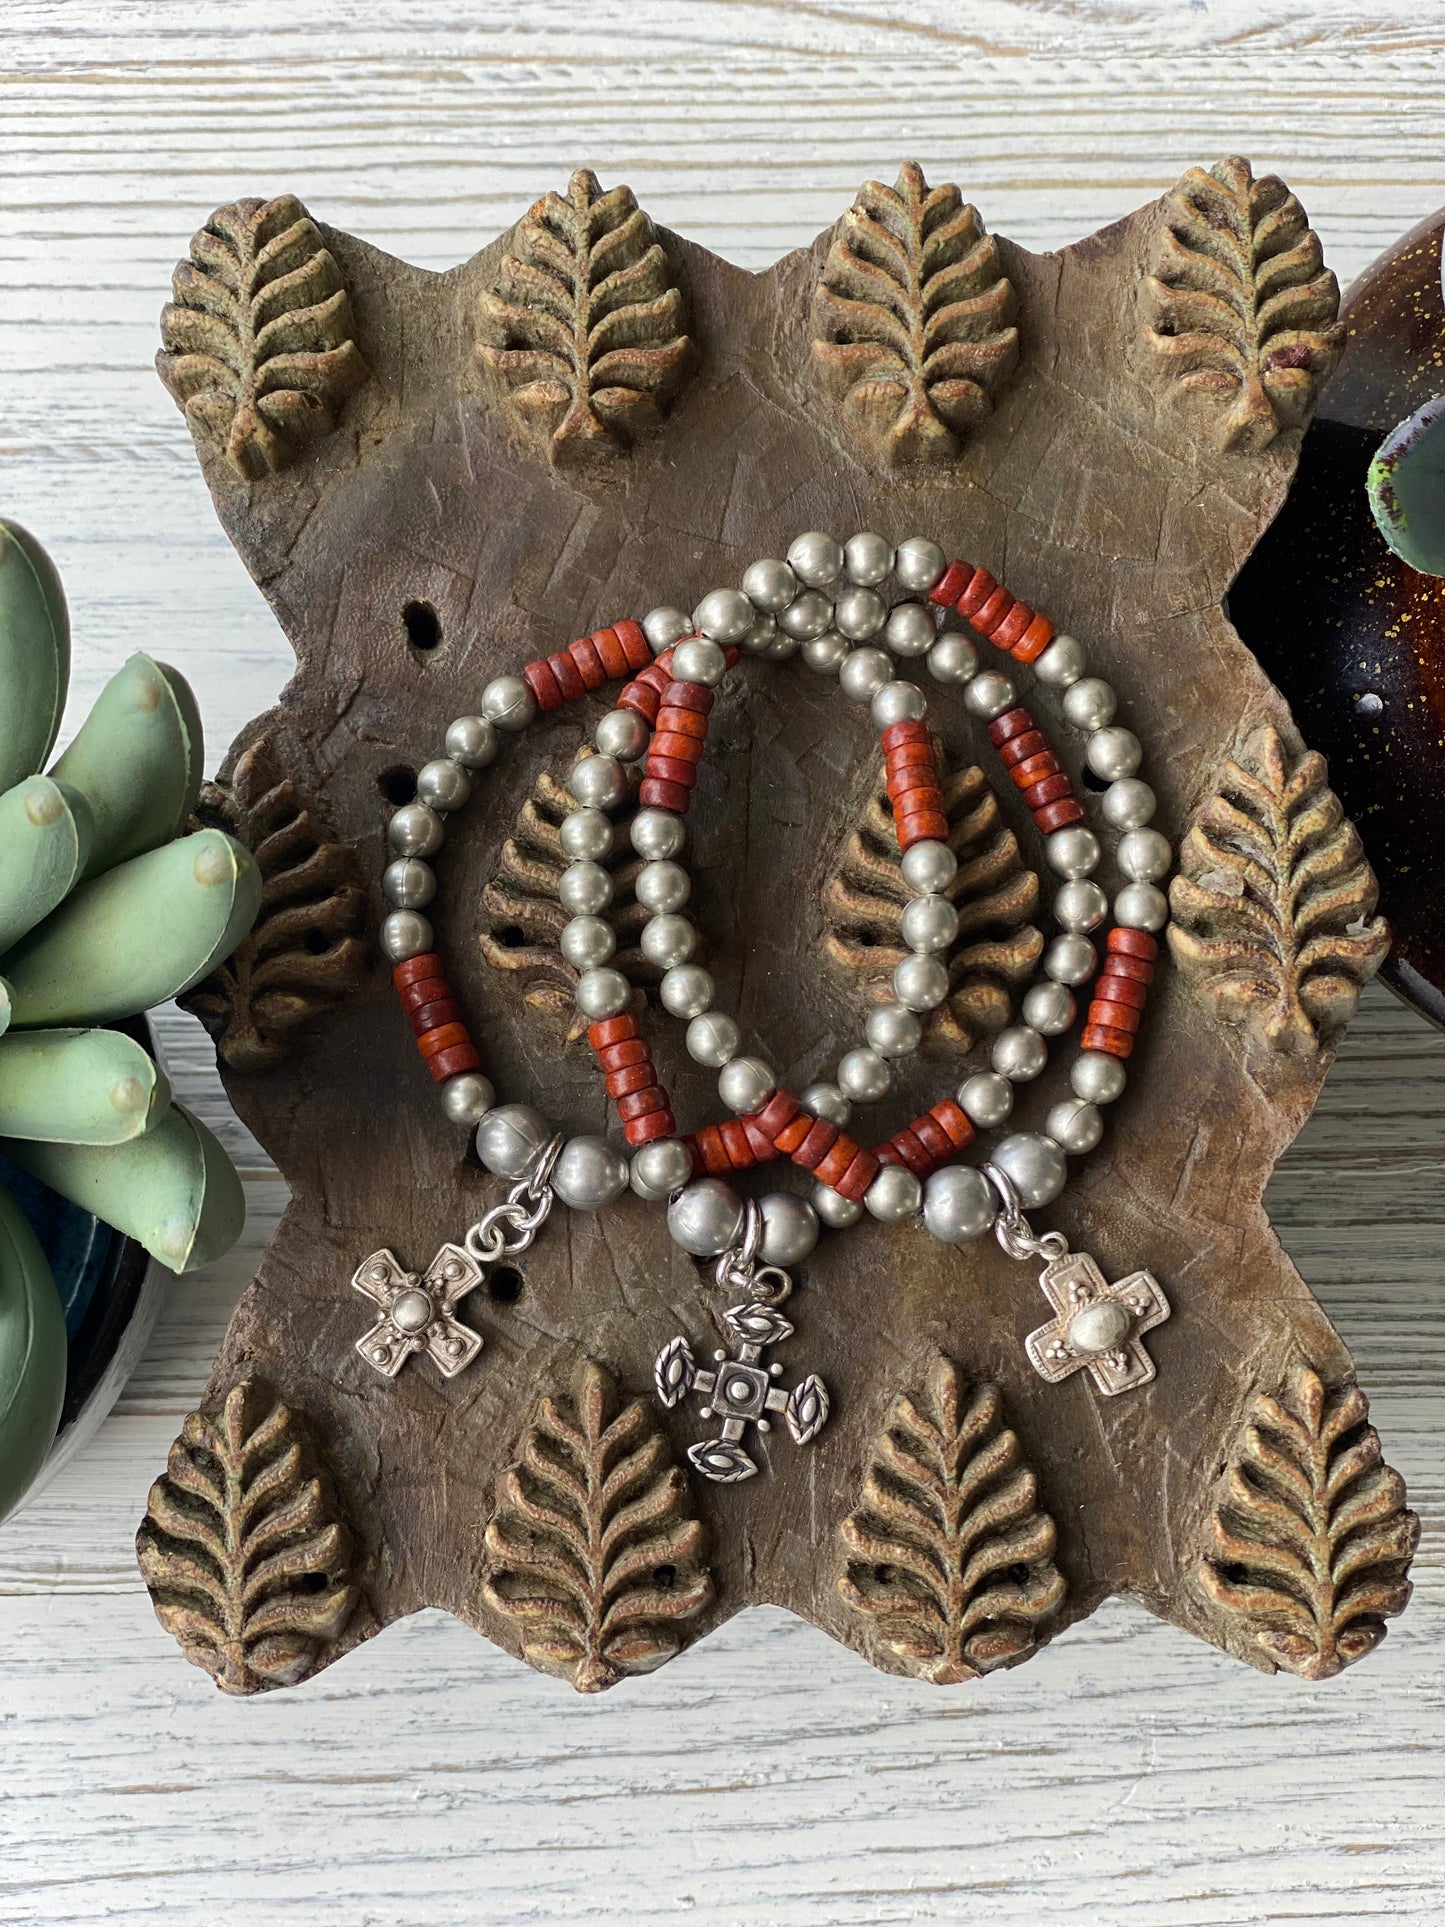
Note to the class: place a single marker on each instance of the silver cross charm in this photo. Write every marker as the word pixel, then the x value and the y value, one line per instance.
pixel 741 1391
pixel 416 1311
pixel 1099 1326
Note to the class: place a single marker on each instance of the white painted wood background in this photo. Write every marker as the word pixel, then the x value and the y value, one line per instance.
pixel 1128 1775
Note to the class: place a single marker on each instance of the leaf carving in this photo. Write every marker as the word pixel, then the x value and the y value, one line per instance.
pixel 1310 1541
pixel 586 325
pixel 995 895
pixel 304 952
pixel 913 318
pixel 947 1552
pixel 1242 308
pixel 242 1549
pixel 258 345
pixel 593 1551
pixel 1272 906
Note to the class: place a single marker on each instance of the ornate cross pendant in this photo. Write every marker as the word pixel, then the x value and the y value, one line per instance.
pixel 416 1311
pixel 1099 1326
pixel 741 1391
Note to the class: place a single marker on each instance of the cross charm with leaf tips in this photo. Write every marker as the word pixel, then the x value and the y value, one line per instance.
pixel 416 1311
pixel 1099 1325
pixel 741 1391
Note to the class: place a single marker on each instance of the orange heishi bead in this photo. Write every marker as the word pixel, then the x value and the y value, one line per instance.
pixel 451 1063
pixel 613 1030
pixel 1133 943
pixel 1121 989
pixel 1114 1043
pixel 1034 640
pixel 428 964
pixel 992 612
pixel 642 1130
pixel 950 584
pixel 1014 625
pixel 859 1175
pixel 793 1133
pixel 1058 816
pixel 1050 789
pixel 979 587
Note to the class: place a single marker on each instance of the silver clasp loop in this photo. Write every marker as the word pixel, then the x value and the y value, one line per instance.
pixel 739 1270
pixel 523 1212
pixel 1012 1228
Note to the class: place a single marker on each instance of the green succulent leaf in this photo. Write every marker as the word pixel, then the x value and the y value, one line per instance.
pixel 5 1006
pixel 79 1087
pixel 174 1190
pixel 32 1355
pixel 1406 485
pixel 34 654
pixel 45 836
pixel 137 762
pixel 141 933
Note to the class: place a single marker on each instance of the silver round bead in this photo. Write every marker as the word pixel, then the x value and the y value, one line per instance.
pixel 409 884
pixel 952 659
pixel 864 1076
pixel 468 1097
pixel 1049 1008
pixel 1097 1077
pixel 910 630
pixel 790 1228
pixel 663 627
pixel 472 742
pixel 1034 1165
pixel 1081 905
pixel 414 830
pixel 623 734
pixel 1075 1125
pixel 668 941
pixel 893 1031
pixel 602 993
pixel 919 564
pixel 406 933
pixel 863 674
pixel 808 615
pixel 929 923
pixel 986 1099
pixel 585 835
pixel 867 558
pixel 1073 852
pixel 687 990
pixel 1144 855
pixel 1141 906
pixel 920 982
pixel 827 653
pixel 816 559
pixel 826 1100
pixel 1128 804
pixel 706 1217
pixel 898 702
pixel 662 886
pixel 834 1209
pixel 745 1084
pixel 765 638
pixel 894 1194
pixel 959 1204
pixel 699 659
pixel 584 888
pixel 660 1168
pixel 443 784
pixel 1112 753
pixel 1089 703
pixel 598 782
pixel 511 1138
pixel 724 614
pixel 769 585
pixel 1070 959
pixel 988 695
pixel 657 834
pixel 587 942
pixel 1019 1053
pixel 929 866
pixel 508 703
pixel 859 614
pixel 713 1039
pixel 589 1173
pixel 1061 664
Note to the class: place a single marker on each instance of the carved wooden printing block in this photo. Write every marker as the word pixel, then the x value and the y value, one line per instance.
pixel 437 479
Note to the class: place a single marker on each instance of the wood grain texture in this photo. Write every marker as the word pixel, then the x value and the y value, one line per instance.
pixel 1153 1784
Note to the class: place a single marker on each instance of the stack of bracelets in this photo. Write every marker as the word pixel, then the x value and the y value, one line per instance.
pixel 825 603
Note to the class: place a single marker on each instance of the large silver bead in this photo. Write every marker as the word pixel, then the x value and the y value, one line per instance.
pixel 808 615
pixel 929 866
pixel 1128 804
pixel 790 1228
pixel 699 659
pixel 898 702
pixel 1034 1165
pixel 867 558
pixel 443 784
pixel 859 614
pixel 585 835
pixel 663 627
pixel 893 1031
pixel 1112 753
pixel 657 834
pixel 910 630
pixel 687 990
pixel 724 614
pixel 1097 1077
pixel 920 982
pixel 745 1084
pixel 765 638
pixel 863 674
pixel 589 1173
pixel 826 654
pixel 1141 906
pixel 986 1098
pixel 1061 664
pixel 1073 852
pixel 919 564
pixel 414 830
pixel 1081 905
pixel 988 695
pixel 952 659
pixel 1075 1125
pixel 894 1194
pixel 468 1097
pixel 623 734
pixel 587 942
pixel 769 585
pixel 472 742
pixel 929 922
pixel 1019 1053
pixel 508 703
pixel 668 941
pixel 959 1204
pixel 598 782
pixel 1049 1008
pixel 706 1217
pixel 1070 959
pixel 662 887
pixel 406 933
pixel 602 993
pixel 1089 703
pixel 660 1168
pixel 584 888
pixel 510 1139
pixel 409 884
pixel 1144 856
pixel 826 1100
pixel 713 1039
pixel 834 1209
pixel 816 559
pixel 864 1076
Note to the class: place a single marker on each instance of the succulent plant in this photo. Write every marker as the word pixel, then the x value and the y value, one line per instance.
pixel 1407 485
pixel 107 907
